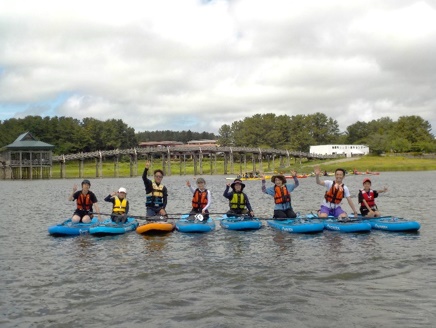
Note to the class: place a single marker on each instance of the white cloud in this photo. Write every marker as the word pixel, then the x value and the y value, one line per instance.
pixel 198 65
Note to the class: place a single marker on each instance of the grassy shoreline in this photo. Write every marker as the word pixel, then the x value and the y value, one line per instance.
pixel 370 163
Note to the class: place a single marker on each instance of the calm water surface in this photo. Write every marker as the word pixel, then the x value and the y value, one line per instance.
pixel 225 278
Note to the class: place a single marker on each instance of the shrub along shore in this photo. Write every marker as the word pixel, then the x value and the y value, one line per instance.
pixel 362 164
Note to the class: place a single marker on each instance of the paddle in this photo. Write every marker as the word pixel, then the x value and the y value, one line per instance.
pixel 200 217
pixel 155 218
pixel 196 217
pixel 360 217
pixel 340 219
pixel 347 219
pixel 237 217
pixel 248 217
pixel 160 217
pixel 138 217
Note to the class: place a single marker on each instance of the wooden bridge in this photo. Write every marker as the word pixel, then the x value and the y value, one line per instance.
pixel 182 153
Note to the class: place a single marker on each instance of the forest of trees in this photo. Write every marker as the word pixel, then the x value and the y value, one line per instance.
pixel 182 136
pixel 70 135
pixel 407 134
pixel 298 133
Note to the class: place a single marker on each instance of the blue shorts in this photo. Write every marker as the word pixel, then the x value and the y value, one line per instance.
pixel 332 211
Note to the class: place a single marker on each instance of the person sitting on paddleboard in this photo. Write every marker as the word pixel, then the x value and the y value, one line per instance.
pixel 120 205
pixel 239 203
pixel 157 193
pixel 367 198
pixel 281 191
pixel 85 199
pixel 201 198
pixel 336 191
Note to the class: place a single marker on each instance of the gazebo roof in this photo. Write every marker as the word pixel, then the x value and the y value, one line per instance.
pixel 26 141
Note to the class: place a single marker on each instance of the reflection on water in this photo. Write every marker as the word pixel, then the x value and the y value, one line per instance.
pixel 156 242
pixel 263 278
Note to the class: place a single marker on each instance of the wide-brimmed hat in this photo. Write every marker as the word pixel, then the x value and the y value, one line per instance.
pixel 279 176
pixel 237 181
pixel 366 180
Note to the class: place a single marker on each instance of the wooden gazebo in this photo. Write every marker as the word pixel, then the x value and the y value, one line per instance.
pixel 27 158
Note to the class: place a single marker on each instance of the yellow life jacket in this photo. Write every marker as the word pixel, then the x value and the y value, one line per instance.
pixel 155 197
pixel 119 205
pixel 237 201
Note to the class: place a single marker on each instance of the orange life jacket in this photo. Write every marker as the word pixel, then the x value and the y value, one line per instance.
pixel 369 197
pixel 84 202
pixel 199 200
pixel 335 195
pixel 281 195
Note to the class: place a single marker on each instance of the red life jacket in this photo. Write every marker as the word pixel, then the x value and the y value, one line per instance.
pixel 281 195
pixel 199 200
pixel 369 197
pixel 84 202
pixel 335 195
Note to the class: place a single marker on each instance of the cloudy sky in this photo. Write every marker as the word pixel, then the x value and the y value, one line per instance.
pixel 198 64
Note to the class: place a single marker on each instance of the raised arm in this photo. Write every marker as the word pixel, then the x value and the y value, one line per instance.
pixel 147 182
pixel 317 171
pixel 109 198
pixel 188 184
pixel 226 193
pixel 263 183
pixel 71 197
pixel 294 176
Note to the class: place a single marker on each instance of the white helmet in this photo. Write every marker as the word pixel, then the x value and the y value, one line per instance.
pixel 122 190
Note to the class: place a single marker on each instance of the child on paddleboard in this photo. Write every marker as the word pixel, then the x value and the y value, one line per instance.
pixel 120 205
pixel 367 198
pixel 335 192
pixel 85 199
pixel 201 198
pixel 239 203
pixel 281 191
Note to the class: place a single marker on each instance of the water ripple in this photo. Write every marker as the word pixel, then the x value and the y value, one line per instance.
pixel 263 278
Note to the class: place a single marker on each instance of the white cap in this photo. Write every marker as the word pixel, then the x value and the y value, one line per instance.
pixel 122 190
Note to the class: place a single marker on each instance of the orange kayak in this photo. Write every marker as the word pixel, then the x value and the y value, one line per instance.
pixel 155 227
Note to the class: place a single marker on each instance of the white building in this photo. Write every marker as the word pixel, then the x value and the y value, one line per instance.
pixel 346 150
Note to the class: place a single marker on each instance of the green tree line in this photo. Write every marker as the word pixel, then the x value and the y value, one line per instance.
pixel 70 135
pixel 299 132
pixel 182 136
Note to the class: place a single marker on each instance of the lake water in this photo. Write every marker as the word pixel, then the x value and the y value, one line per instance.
pixel 224 278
